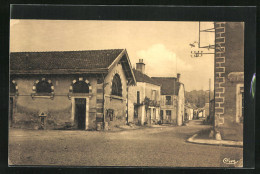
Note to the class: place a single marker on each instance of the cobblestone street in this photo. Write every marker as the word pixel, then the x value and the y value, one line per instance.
pixel 155 146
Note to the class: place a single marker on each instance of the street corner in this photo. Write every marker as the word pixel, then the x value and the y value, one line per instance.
pixel 210 141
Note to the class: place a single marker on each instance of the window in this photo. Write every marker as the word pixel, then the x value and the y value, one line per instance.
pixel 80 87
pixel 168 100
pixel 116 86
pixel 110 114
pixel 168 114
pixel 43 87
pixel 138 97
pixel 161 114
pixel 153 94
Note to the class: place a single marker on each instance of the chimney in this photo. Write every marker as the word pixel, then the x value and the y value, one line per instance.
pixel 140 66
pixel 178 77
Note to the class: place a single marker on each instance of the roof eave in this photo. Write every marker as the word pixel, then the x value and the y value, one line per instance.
pixel 124 52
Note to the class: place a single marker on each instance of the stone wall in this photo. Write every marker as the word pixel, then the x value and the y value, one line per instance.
pixel 115 103
pixel 172 108
pixel 58 108
pixel 229 58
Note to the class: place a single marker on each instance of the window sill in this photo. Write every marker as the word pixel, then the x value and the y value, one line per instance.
pixel 115 97
pixel 48 96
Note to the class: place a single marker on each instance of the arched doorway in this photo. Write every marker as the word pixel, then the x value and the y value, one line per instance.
pixel 80 102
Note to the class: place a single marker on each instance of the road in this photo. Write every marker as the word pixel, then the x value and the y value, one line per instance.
pixel 156 146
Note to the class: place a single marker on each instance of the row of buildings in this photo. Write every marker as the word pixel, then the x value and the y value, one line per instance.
pixel 89 90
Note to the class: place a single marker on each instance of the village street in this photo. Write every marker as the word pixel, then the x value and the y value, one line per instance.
pixel 156 146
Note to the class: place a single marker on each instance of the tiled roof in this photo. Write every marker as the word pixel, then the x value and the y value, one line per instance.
pixel 92 59
pixel 140 77
pixel 169 85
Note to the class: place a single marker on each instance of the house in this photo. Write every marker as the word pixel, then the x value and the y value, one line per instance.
pixel 172 99
pixel 229 78
pixel 188 111
pixel 69 89
pixel 144 98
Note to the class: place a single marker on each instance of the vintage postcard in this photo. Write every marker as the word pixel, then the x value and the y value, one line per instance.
pixel 126 93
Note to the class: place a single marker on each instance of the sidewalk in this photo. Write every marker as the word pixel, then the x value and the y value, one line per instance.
pixel 202 138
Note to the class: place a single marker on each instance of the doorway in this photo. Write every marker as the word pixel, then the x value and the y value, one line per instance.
pixel 80 113
pixel 161 115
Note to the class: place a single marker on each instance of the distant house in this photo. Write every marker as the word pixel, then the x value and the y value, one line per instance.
pixel 77 89
pixel 189 110
pixel 229 77
pixel 144 98
pixel 172 99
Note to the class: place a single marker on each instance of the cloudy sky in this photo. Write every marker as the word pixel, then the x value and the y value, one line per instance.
pixel 164 46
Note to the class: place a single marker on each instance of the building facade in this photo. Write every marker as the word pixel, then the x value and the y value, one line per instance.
pixel 172 100
pixel 229 77
pixel 188 112
pixel 69 89
pixel 144 98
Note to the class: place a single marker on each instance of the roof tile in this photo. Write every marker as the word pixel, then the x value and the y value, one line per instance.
pixel 140 77
pixel 91 59
pixel 169 85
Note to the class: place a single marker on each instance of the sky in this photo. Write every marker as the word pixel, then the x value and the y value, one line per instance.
pixel 163 45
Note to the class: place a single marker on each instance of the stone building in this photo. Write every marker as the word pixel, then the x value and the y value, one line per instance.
pixel 144 98
pixel 229 77
pixel 188 111
pixel 172 99
pixel 69 89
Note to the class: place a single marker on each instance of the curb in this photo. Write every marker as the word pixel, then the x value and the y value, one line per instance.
pixel 214 142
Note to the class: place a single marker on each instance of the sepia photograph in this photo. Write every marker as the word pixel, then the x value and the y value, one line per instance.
pixel 126 93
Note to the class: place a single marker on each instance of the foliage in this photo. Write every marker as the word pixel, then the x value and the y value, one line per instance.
pixel 198 98
pixel 146 102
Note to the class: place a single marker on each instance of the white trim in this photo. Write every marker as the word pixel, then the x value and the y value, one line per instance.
pixel 130 65
pixel 124 52
pixel 116 59
pixel 87 110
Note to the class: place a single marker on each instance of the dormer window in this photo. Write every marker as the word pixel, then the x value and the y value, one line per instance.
pixel 117 86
